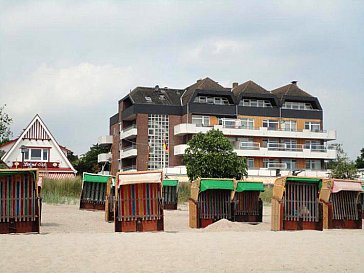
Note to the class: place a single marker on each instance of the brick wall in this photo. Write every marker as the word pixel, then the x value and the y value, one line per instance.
pixel 115 133
pixel 142 142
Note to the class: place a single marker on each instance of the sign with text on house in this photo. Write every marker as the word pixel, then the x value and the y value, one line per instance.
pixel 34 164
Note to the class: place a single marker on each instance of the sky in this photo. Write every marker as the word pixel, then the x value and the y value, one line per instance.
pixel 71 61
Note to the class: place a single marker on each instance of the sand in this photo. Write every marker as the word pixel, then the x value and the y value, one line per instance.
pixel 81 241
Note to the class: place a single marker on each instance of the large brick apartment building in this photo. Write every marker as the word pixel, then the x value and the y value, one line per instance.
pixel 278 129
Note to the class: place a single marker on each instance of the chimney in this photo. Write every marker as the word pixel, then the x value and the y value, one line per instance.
pixel 235 84
pixel 294 82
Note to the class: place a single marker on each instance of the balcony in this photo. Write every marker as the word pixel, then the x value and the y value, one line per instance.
pixel 180 149
pixel 129 132
pixel 277 150
pixel 130 151
pixel 129 168
pixel 233 127
pixel 104 140
pixel 283 150
pixel 102 158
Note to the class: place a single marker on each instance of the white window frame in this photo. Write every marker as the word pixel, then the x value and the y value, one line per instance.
pixel 28 154
pixel 268 122
pixel 310 125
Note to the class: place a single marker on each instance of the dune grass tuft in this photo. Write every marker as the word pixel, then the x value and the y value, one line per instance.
pixel 266 196
pixel 184 192
pixel 61 191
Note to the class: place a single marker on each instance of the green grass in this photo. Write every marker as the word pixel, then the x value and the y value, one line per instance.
pixel 184 192
pixel 61 191
pixel 266 196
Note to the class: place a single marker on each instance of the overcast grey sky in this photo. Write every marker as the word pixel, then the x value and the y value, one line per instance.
pixel 71 61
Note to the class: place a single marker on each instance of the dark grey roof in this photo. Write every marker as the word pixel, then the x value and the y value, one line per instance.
pixel 249 87
pixel 205 84
pixel 290 90
pixel 158 95
pixel 114 119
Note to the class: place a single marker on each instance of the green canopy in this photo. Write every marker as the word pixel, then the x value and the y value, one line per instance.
pixel 15 171
pixel 212 184
pixel 249 186
pixel 304 179
pixel 170 182
pixel 97 178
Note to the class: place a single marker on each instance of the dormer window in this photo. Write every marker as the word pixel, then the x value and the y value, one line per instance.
pixel 148 99
pixel 297 105
pixel 255 103
pixel 212 100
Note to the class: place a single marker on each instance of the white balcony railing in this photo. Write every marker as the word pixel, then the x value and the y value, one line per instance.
pixel 104 140
pixel 228 128
pixel 253 149
pixel 105 157
pixel 129 132
pixel 130 151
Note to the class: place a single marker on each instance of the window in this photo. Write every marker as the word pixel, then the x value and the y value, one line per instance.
pixel 289 125
pixel 270 163
pixel 314 145
pixel 291 145
pixel 255 103
pixel 291 163
pixel 247 123
pixel 250 163
pixel 212 100
pixel 201 121
pixel 313 164
pixel 148 99
pixel 313 126
pixel 36 154
pixel 158 135
pixel 270 124
pixel 297 105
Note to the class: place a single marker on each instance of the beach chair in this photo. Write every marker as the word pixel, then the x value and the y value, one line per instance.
pixel 210 201
pixel 93 191
pixel 296 205
pixel 138 202
pixel 341 204
pixel 170 194
pixel 247 206
pixel 19 201
pixel 109 200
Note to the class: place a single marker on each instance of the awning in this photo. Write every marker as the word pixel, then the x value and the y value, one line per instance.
pixel 216 184
pixel 98 178
pixel 304 179
pixel 346 186
pixel 138 178
pixel 170 182
pixel 249 186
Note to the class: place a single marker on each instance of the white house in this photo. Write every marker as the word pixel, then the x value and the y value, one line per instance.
pixel 37 148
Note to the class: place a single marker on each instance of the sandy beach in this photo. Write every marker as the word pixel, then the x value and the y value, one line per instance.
pixel 81 241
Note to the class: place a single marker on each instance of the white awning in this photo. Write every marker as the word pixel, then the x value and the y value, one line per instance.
pixel 342 185
pixel 139 177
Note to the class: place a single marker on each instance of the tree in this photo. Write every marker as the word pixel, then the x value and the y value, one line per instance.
pixel 212 155
pixel 88 161
pixel 360 160
pixel 5 122
pixel 342 167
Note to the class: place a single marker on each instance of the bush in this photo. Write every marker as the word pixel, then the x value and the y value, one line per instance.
pixel 61 191
pixel 184 192
pixel 266 196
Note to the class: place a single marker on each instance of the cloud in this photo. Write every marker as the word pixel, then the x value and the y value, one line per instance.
pixel 73 97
